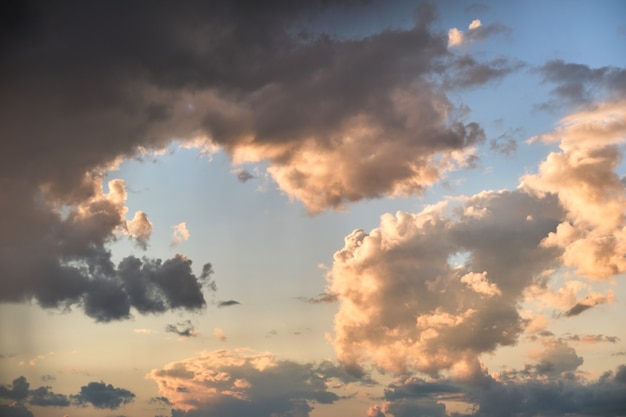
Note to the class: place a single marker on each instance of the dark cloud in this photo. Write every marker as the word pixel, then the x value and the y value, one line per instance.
pixel 160 400
pixel 525 396
pixel 102 395
pixel 18 390
pixel 244 176
pixel 68 263
pixel 577 309
pixel 43 397
pixel 553 397
pixel 578 84
pixel 228 303
pixel 590 338
pixel 468 72
pixel 14 410
pixel 183 329
pixel 48 378
pixel 322 298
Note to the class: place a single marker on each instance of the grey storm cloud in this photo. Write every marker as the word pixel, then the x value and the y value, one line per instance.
pixel 14 410
pixel 102 395
pixel 183 328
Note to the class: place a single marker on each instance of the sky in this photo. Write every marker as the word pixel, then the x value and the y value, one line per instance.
pixel 310 209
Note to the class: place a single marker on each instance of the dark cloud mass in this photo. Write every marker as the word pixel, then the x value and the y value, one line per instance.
pixel 102 395
pixel 79 93
pixel 508 398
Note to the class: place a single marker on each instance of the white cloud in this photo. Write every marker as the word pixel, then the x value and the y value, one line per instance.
pixel 179 233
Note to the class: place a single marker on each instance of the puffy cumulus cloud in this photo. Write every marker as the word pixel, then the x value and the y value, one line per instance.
pixel 404 307
pixel 556 358
pixel 183 329
pixel 583 177
pixel 244 382
pixel 102 395
pixel 140 228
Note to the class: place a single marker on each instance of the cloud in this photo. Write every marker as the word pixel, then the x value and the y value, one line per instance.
pixel 557 358
pixel 588 302
pixel 336 120
pixel 582 175
pixel 476 31
pixel 227 303
pixel 219 333
pixel 322 298
pixel 244 176
pixel 183 329
pixel 400 298
pixel 264 94
pixel 67 263
pixel 18 390
pixel 140 228
pixel 43 397
pixel 244 382
pixel 14 410
pixel 179 234
pixel 578 85
pixel 102 395
pixel 467 72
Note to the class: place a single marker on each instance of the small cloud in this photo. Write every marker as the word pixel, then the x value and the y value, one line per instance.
pixel 160 400
pixel 227 303
pixel 180 233
pixel 244 175
pixel 101 395
pixel 455 37
pixel 48 378
pixel 271 333
pixel 587 303
pixel 183 329
pixel 322 298
pixel 475 24
pixel 143 331
pixel 219 333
